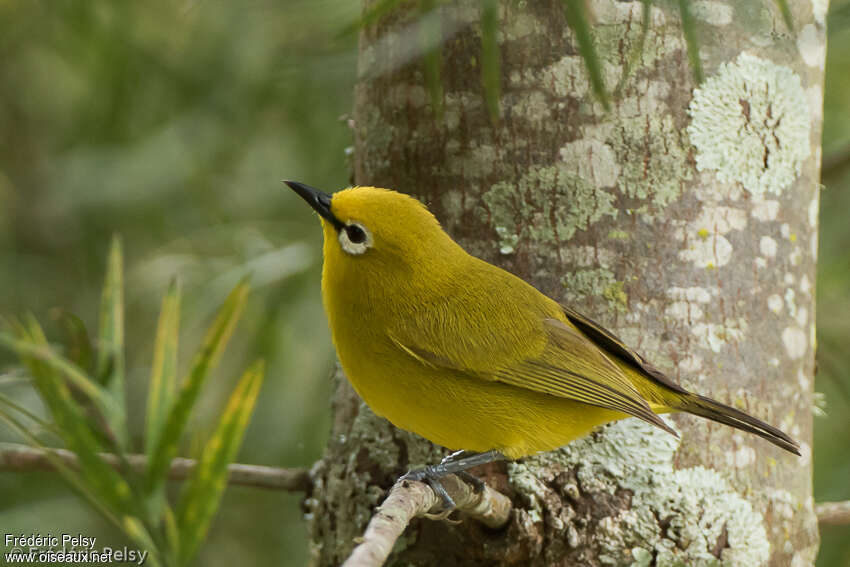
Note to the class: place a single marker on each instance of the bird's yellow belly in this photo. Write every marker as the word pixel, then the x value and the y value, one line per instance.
pixel 462 412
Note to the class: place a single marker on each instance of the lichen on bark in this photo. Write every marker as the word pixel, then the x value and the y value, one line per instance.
pixel 684 516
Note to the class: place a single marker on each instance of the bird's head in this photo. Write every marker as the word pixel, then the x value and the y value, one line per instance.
pixel 378 227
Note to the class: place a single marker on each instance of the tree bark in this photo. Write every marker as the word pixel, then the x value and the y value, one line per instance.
pixel 685 220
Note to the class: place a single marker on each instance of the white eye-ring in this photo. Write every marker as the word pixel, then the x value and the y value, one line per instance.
pixel 355 238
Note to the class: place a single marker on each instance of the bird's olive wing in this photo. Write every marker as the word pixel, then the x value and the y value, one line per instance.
pixel 569 366
pixel 614 347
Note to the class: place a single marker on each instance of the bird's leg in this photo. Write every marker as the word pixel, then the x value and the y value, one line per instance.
pixel 476 482
pixel 456 463
pixel 456 455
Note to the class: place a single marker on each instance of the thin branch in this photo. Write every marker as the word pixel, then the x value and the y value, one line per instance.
pixel 833 513
pixel 21 458
pixel 408 500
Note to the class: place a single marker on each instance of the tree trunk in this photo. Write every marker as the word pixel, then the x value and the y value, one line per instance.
pixel 685 220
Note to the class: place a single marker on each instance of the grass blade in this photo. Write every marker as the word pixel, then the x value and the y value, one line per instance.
pixel 71 476
pixel 137 533
pixel 110 489
pixel 172 535
pixel 432 60
pixel 577 19
pixel 202 493
pixel 205 359
pixel 78 347
pixel 490 57
pixel 131 526
pixel 163 382
pixel 110 353
pixel 74 374
pixel 637 51
pixel 689 29
pixel 43 425
pixel 786 14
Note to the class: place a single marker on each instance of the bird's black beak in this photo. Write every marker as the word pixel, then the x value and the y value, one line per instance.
pixel 320 201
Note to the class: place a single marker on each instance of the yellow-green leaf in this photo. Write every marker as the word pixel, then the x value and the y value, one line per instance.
pixel 71 476
pixel 45 426
pixel 577 19
pixel 163 382
pixel 430 41
pixel 786 14
pixel 490 57
pixel 74 374
pixel 78 347
pixel 110 352
pixel 202 494
pixel 137 532
pixel 172 535
pixel 689 29
pixel 205 359
pixel 108 488
pixel 637 51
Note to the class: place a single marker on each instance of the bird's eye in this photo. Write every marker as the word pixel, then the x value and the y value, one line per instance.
pixel 356 235
pixel 355 238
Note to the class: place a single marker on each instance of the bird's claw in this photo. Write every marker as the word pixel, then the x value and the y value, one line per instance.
pixel 447 501
pixel 432 478
pixel 442 516
pixel 420 474
pixel 477 484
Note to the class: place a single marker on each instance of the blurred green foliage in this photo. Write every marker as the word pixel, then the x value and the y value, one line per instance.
pixel 88 413
pixel 173 123
pixel 832 432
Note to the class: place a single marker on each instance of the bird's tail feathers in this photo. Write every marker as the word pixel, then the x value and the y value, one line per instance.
pixel 727 415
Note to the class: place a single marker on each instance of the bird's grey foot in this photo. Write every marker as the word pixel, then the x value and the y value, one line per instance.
pixel 432 477
pixel 456 463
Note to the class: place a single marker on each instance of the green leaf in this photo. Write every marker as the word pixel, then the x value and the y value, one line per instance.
pixel 136 531
pixel 71 476
pixel 163 382
pixel 74 374
pixel 490 57
pixel 172 534
pixel 430 43
pixel 107 486
pixel 786 14
pixel 45 426
pixel 78 345
pixel 689 28
pixel 110 352
pixel 202 493
pixel 637 51
pixel 577 19
pixel 205 360
pixel 432 60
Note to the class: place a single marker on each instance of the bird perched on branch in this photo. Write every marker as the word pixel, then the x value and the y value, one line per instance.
pixel 468 355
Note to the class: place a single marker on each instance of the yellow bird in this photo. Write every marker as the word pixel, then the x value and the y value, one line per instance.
pixel 468 355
